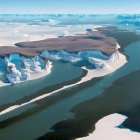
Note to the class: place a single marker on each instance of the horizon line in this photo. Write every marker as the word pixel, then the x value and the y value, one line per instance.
pixel 69 13
pixel 89 12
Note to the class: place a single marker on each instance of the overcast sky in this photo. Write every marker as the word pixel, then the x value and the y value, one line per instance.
pixel 70 6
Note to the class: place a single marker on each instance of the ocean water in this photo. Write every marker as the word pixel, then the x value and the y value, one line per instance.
pixel 39 118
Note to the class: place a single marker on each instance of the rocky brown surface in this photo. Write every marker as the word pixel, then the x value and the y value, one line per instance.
pixel 93 40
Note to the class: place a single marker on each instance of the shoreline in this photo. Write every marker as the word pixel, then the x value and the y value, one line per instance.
pixel 108 128
pixel 114 94
pixel 110 66
pixel 91 73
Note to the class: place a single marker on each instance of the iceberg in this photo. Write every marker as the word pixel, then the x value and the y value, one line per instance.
pixel 17 68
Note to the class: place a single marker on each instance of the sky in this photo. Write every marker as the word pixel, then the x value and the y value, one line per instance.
pixel 70 6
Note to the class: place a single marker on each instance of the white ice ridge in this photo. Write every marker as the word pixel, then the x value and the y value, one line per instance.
pixel 75 57
pixel 105 67
pixel 18 68
pixel 107 129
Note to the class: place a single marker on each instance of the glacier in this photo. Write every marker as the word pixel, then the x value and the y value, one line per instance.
pixel 16 68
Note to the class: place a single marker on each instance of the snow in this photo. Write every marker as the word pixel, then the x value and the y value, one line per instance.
pixel 107 129
pixel 13 74
pixel 21 32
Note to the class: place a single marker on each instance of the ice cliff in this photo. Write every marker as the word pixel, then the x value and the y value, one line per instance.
pixel 74 57
pixel 88 57
pixel 18 68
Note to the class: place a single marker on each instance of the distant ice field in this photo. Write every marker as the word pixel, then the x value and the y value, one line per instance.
pixel 18 28
pixel 20 32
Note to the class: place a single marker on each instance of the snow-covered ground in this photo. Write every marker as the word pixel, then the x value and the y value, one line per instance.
pixel 107 129
pixel 11 33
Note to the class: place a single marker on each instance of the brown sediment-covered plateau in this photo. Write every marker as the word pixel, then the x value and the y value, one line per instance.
pixel 93 40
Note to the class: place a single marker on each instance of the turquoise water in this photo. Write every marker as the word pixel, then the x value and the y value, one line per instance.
pixel 60 72
pixel 41 122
